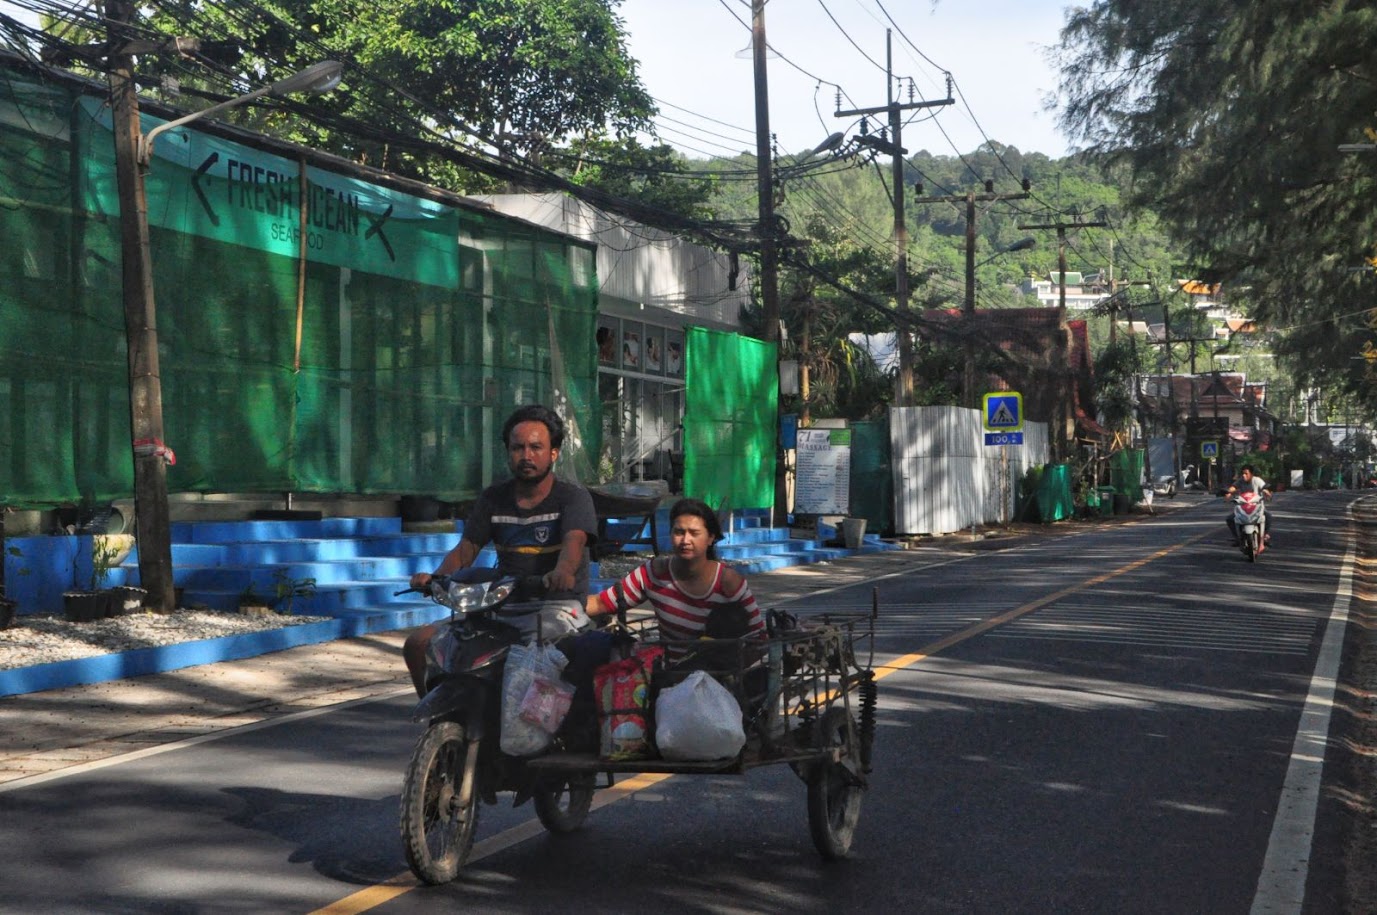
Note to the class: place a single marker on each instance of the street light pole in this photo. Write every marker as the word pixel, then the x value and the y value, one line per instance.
pixel 151 515
pixel 133 152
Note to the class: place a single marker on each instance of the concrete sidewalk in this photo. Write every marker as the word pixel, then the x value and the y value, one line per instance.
pixel 48 731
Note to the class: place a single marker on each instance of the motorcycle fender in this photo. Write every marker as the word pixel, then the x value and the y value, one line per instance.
pixel 448 695
pixel 1249 528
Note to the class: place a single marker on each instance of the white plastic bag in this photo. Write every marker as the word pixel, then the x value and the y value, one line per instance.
pixel 698 719
pixel 524 664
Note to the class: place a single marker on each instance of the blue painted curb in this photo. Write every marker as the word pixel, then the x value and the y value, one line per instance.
pixel 143 661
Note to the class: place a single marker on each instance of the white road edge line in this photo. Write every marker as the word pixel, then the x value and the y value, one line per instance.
pixel 1286 867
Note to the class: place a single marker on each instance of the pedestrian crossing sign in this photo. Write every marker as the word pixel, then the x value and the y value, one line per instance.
pixel 1209 450
pixel 1004 411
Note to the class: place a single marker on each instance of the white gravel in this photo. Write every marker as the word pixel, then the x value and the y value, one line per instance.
pixel 42 638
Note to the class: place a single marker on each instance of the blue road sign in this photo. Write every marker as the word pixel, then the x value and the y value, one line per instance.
pixel 1004 438
pixel 1209 449
pixel 1004 411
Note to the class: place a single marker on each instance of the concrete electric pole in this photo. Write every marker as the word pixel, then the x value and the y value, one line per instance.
pixel 893 110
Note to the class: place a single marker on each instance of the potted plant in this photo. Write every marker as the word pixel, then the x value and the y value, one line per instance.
pixel 251 604
pixel 9 606
pixel 288 589
pixel 93 602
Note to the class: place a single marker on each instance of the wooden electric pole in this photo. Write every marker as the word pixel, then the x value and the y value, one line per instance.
pixel 970 199
pixel 151 515
pixel 894 111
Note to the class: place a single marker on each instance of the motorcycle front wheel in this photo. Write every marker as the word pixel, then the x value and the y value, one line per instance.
pixel 563 808
pixel 437 831
pixel 834 790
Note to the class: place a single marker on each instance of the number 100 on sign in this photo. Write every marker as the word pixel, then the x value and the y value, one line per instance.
pixel 1003 438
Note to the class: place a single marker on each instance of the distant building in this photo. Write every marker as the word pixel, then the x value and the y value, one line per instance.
pixel 1083 291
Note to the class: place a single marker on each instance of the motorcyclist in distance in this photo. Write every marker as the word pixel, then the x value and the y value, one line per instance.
pixel 1248 481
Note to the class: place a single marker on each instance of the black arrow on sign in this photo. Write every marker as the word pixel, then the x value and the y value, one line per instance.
pixel 375 228
pixel 196 186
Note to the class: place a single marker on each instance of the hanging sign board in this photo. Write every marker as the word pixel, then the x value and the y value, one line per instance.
pixel 822 482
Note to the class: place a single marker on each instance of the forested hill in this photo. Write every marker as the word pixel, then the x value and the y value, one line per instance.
pixel 849 197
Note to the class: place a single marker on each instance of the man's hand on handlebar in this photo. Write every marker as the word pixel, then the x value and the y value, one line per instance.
pixel 557 580
pixel 420 580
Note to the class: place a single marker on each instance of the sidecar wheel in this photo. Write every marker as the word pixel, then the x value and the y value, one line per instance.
pixel 437 832
pixel 563 808
pixel 835 789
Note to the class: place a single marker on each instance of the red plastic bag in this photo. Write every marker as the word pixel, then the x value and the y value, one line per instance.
pixel 623 694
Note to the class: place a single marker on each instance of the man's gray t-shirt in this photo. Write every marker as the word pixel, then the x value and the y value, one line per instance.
pixel 528 540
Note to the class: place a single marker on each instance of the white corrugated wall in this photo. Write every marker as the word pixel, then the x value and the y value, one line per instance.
pixel 945 478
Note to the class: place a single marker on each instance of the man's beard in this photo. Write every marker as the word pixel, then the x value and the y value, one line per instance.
pixel 533 480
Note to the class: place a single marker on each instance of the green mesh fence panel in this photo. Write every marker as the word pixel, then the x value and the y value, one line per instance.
pixel 1054 499
pixel 318 333
pixel 1126 472
pixel 872 479
pixel 730 419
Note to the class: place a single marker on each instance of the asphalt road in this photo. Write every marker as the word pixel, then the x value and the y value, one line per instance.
pixel 1093 723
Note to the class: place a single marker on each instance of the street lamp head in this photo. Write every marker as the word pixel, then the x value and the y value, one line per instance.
pixel 315 79
pixel 829 144
pixel 1023 244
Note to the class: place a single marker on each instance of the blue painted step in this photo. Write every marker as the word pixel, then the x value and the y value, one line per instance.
pixel 358 563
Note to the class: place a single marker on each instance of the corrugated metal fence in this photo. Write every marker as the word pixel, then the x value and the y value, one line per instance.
pixel 946 478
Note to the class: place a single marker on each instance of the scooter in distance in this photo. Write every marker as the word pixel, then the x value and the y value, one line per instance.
pixel 1250 523
pixel 457 760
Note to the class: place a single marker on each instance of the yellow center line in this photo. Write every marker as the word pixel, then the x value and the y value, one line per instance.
pixel 975 629
pixel 378 894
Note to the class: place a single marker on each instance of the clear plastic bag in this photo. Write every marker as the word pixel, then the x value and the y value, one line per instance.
pixel 524 664
pixel 698 719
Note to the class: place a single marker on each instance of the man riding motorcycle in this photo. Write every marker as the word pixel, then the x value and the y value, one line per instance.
pixel 1248 481
pixel 538 524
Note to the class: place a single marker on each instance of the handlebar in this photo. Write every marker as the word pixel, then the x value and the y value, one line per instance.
pixel 528 587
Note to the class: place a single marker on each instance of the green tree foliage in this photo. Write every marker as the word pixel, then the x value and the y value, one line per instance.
pixel 844 379
pixel 656 176
pixel 1227 116
pixel 522 77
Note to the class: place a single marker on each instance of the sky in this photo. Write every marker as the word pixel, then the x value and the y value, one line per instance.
pixel 994 49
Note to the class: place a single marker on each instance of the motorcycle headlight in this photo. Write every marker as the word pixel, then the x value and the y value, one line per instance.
pixel 464 597
pixel 498 592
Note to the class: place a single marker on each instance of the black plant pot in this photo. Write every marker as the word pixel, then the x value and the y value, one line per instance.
pixel 85 606
pixel 8 607
pixel 126 599
pixel 419 508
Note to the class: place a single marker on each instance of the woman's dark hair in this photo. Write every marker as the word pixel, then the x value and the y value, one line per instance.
pixel 699 509
pixel 535 413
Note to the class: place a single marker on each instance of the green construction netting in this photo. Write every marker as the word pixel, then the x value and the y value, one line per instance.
pixel 731 419
pixel 1054 499
pixel 872 478
pixel 1126 473
pixel 348 339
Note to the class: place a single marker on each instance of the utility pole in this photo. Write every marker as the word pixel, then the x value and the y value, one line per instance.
pixel 894 110
pixel 970 199
pixel 765 187
pixel 1061 228
pixel 151 514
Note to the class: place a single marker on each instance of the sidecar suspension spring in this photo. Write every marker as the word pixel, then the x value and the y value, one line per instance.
pixel 869 696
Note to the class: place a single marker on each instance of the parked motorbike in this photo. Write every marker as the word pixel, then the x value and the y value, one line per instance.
pixel 457 760
pixel 1165 486
pixel 1250 521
